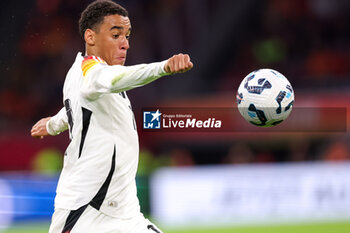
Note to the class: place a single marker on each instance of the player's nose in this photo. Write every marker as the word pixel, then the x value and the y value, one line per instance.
pixel 124 44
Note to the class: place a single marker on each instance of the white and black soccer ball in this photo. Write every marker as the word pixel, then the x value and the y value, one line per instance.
pixel 265 97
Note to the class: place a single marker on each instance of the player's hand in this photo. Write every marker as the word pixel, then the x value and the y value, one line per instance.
pixel 178 64
pixel 39 129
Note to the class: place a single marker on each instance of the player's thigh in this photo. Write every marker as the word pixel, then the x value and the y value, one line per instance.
pixel 92 221
pixel 85 219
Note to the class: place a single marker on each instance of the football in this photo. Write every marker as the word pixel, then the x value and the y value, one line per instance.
pixel 265 97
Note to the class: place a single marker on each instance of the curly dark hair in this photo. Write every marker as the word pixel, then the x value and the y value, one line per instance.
pixel 95 12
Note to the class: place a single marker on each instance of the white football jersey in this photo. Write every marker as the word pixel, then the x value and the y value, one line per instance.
pixel 101 160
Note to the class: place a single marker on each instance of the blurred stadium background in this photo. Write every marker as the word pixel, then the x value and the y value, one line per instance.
pixel 222 182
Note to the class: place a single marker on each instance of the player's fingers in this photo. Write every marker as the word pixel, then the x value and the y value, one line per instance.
pixel 34 131
pixel 38 124
pixel 188 63
pixel 181 62
pixel 186 59
pixel 38 134
pixel 37 129
pixel 35 126
pixel 176 63
pixel 34 135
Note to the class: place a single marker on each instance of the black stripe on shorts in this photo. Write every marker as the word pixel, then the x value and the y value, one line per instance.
pixel 72 219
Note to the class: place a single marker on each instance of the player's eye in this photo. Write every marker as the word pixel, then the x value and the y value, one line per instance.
pixel 127 37
pixel 116 36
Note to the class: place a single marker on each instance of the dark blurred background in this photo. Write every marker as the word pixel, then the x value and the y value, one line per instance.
pixel 306 40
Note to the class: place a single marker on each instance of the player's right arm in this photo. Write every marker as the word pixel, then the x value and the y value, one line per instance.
pixel 51 125
pixel 100 78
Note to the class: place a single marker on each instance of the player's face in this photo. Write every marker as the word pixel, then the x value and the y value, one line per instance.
pixel 112 39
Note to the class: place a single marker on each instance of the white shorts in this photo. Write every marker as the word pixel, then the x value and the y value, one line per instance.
pixel 89 220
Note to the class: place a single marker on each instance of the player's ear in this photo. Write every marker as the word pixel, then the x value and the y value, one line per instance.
pixel 89 37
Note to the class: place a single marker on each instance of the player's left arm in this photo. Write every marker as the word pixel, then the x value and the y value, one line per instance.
pixel 100 78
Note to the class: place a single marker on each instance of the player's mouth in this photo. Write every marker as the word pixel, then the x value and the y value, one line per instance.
pixel 120 58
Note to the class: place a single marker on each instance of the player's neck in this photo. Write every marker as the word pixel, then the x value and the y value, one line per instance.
pixel 90 51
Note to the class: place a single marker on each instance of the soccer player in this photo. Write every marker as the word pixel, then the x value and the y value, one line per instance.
pixel 97 190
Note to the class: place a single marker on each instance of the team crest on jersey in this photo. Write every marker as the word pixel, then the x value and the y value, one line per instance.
pixel 152 119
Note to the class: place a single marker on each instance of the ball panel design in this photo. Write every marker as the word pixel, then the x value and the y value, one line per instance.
pixel 265 97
